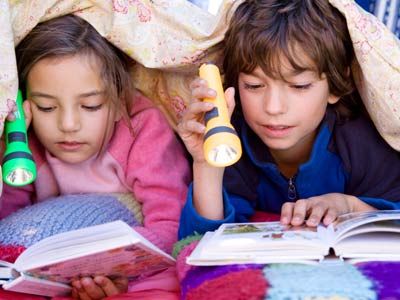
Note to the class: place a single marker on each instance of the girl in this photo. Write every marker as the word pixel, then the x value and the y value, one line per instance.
pixel 91 133
pixel 309 151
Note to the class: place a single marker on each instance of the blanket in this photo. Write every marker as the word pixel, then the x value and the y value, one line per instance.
pixel 326 281
pixel 55 215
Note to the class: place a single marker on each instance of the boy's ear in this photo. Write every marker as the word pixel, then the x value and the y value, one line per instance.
pixel 333 99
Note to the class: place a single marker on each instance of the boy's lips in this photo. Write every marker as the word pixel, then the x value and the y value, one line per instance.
pixel 277 131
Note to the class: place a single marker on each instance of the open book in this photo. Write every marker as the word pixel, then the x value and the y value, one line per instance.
pixel 354 237
pixel 112 249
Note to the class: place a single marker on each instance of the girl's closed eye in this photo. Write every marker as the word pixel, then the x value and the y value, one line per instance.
pixel 44 108
pixel 92 107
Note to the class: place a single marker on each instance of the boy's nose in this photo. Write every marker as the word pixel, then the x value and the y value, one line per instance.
pixel 275 102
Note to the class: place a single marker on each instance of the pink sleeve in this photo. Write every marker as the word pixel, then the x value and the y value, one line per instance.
pixel 159 173
pixel 13 198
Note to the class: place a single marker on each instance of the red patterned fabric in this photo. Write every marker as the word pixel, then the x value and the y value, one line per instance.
pixel 241 285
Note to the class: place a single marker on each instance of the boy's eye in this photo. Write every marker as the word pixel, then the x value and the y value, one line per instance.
pixel 252 86
pixel 45 108
pixel 301 86
pixel 92 108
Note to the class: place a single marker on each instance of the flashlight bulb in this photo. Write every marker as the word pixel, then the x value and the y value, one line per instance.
pixel 223 155
pixel 19 177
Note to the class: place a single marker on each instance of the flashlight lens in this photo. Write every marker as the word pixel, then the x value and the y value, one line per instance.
pixel 223 154
pixel 19 177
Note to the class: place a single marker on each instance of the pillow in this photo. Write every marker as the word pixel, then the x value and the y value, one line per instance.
pixel 64 213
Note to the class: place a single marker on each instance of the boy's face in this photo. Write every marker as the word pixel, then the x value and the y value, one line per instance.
pixel 285 115
pixel 70 114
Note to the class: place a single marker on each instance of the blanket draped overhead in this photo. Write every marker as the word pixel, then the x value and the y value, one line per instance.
pixel 169 39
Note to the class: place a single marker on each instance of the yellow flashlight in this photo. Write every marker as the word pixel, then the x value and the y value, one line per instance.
pixel 221 143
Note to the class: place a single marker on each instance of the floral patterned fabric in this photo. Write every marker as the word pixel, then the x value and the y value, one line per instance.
pixel 170 39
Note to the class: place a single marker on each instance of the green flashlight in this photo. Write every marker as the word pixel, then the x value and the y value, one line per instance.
pixel 19 167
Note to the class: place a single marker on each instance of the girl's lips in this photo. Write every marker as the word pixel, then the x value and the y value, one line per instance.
pixel 277 131
pixel 70 146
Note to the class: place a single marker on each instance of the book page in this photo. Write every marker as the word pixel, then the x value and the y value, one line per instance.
pixel 206 254
pixel 377 226
pixel 6 273
pixel 265 236
pixel 77 242
pixel 370 245
pixel 112 249
pixel 347 222
pixel 36 286
pixel 133 261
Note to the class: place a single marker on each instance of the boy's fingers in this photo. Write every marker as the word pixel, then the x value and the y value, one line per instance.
pixel 197 82
pixel 202 92
pixel 317 212
pixel 287 213
pixel 299 212
pixel 189 122
pixel 196 108
pixel 191 126
pixel 330 216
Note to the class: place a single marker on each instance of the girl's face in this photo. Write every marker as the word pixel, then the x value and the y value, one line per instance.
pixel 70 114
pixel 285 115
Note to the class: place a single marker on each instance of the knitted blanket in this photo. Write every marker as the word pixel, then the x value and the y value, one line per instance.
pixel 326 281
pixel 330 281
pixel 31 224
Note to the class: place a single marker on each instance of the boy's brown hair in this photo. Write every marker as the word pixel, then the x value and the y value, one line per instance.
pixel 261 32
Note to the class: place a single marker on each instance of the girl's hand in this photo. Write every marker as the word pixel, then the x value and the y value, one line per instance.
pixel 191 128
pixel 325 208
pixel 99 287
pixel 11 117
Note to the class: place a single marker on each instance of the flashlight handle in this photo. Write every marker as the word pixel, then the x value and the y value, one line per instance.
pixel 219 115
pixel 17 155
pixel 16 130
pixel 221 143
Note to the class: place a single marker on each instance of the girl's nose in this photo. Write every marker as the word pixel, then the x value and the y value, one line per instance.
pixel 69 121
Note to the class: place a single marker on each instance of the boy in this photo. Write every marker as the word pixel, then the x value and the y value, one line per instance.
pixel 309 151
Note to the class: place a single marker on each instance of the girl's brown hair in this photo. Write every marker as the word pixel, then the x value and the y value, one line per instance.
pixel 70 35
pixel 261 32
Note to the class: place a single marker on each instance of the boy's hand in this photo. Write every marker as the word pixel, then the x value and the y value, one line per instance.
pixel 99 287
pixel 191 128
pixel 325 208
